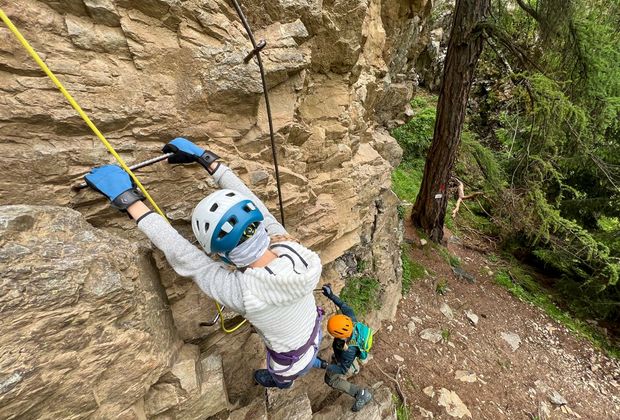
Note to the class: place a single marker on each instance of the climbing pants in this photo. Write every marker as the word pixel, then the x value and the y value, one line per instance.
pixel 338 382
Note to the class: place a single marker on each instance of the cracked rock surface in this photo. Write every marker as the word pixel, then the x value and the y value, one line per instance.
pixel 91 305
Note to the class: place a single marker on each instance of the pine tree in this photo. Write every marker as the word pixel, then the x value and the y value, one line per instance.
pixel 464 49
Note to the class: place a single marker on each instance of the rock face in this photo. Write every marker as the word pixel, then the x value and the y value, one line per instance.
pixel 85 324
pixel 147 71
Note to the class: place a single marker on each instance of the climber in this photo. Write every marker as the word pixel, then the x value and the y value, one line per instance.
pixel 273 276
pixel 347 346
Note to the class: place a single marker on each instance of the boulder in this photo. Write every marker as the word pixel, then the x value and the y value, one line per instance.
pixel 206 399
pixel 85 323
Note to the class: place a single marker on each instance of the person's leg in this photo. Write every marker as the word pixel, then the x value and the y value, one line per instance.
pixel 338 382
pixel 362 396
pixel 319 363
pixel 263 377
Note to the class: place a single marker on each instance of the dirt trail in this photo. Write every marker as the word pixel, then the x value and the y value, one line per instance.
pixel 545 365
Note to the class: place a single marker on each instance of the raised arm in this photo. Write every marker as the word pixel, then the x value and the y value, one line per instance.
pixel 344 308
pixel 187 152
pixel 212 277
pixel 187 260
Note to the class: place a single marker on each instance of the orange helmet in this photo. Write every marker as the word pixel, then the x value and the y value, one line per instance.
pixel 340 326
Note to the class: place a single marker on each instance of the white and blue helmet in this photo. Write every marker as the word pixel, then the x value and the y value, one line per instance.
pixel 220 220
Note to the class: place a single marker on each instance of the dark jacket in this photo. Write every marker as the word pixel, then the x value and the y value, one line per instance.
pixel 344 358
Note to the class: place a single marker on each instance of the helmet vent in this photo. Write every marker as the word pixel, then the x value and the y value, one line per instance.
pixel 213 207
pixel 221 234
pixel 206 227
pixel 232 221
pixel 230 194
pixel 227 227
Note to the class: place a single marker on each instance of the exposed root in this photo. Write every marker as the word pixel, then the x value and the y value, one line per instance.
pixel 394 379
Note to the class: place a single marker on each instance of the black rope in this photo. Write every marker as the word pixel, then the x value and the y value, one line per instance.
pixel 256 52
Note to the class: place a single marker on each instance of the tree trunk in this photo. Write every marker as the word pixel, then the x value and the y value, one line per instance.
pixel 464 49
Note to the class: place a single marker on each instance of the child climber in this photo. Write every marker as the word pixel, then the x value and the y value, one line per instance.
pixel 348 345
pixel 274 278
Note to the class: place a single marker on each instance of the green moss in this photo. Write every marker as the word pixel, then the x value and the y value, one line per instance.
pixel 362 294
pixel 416 135
pixel 412 270
pixel 445 334
pixel 407 178
pixel 442 287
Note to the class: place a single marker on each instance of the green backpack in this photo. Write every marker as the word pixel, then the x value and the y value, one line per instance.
pixel 362 339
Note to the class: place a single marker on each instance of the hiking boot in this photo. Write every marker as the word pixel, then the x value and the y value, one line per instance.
pixel 362 398
pixel 324 363
pixel 264 378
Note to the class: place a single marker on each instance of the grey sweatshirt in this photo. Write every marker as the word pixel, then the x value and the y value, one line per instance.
pixel 277 299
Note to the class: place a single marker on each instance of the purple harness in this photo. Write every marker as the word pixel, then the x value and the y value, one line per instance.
pixel 291 357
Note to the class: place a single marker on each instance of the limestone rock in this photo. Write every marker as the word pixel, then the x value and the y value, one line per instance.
pixel 424 413
pixel 446 311
pixel 149 70
pixel 103 12
pixel 556 398
pixel 185 368
pixel 257 410
pixel 465 376
pixel 241 354
pixel 297 408
pixel 381 407
pixel 431 334
pixel 85 35
pixel 387 148
pixel 513 340
pixel 472 317
pixel 207 400
pixel 163 396
pixel 453 404
pixel 544 410
pixel 79 307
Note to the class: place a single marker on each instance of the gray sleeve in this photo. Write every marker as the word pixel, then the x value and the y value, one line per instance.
pixel 213 277
pixel 226 178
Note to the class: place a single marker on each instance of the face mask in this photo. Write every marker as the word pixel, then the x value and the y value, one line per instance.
pixel 250 250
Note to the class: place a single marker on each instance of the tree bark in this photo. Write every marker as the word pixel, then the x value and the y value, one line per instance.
pixel 464 49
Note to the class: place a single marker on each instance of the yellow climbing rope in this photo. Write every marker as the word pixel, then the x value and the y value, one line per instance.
pixel 75 105
pixel 233 329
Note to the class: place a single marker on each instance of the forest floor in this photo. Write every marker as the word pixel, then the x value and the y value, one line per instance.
pixel 510 360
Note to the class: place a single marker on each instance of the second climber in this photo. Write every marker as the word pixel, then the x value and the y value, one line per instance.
pixel 352 340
